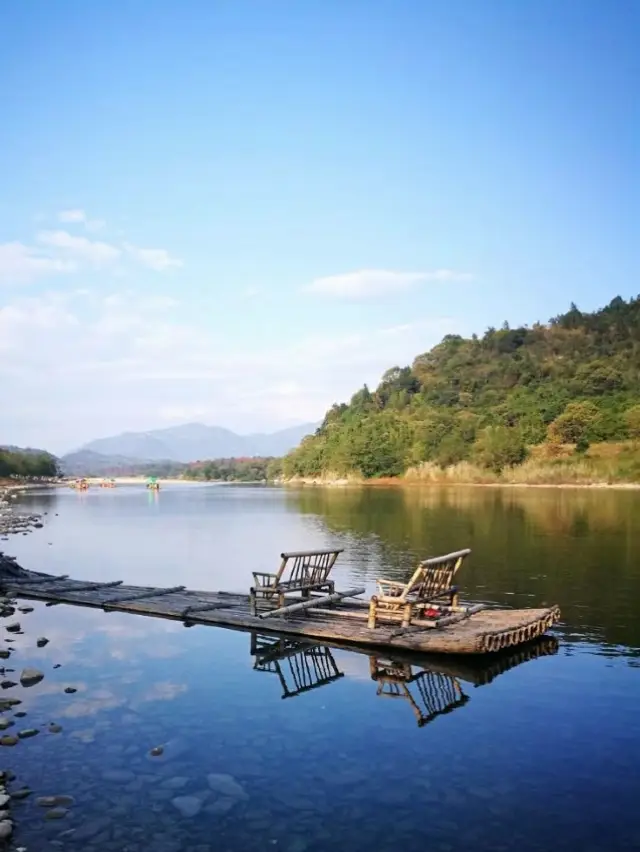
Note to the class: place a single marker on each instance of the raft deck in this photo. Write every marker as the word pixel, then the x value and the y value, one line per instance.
pixel 487 631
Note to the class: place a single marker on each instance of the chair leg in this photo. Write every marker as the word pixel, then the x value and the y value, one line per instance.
pixel 373 608
pixel 406 615
pixel 253 606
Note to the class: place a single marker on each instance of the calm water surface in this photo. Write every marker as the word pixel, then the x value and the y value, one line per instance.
pixel 537 751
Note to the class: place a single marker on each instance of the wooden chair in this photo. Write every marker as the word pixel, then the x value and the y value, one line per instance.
pixel 304 571
pixel 430 586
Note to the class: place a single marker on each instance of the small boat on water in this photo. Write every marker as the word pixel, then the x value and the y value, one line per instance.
pixel 108 483
pixel 79 485
pixel 153 484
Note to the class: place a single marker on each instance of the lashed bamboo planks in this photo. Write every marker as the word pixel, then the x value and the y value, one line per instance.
pixel 481 632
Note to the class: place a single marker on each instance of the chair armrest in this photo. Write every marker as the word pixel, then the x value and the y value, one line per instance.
pixel 263 578
pixel 390 587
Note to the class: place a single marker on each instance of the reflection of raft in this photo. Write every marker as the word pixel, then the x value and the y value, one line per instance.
pixel 430 685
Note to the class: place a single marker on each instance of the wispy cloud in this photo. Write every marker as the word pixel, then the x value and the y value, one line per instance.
pixel 77 216
pixel 369 283
pixel 80 249
pixel 20 264
pixel 55 252
pixel 158 259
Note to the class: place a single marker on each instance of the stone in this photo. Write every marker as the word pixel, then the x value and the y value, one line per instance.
pixel 4 800
pixel 7 684
pixel 5 723
pixel 223 805
pixel 25 609
pixel 6 829
pixel 30 677
pixel 175 783
pixel 226 785
pixel 56 813
pixel 28 733
pixel 118 776
pixel 4 653
pixel 14 628
pixel 42 641
pixel 157 751
pixel 189 806
pixel 46 801
pixel 70 689
pixel 20 714
pixel 54 728
pixel 8 740
pixel 23 793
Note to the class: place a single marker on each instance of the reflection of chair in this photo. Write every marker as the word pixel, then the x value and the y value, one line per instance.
pixel 434 693
pixel 306 665
pixel 431 586
pixel 305 572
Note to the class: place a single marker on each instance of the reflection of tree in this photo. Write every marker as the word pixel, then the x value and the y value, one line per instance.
pixel 579 548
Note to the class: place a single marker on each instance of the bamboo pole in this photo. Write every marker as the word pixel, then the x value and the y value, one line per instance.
pixel 298 607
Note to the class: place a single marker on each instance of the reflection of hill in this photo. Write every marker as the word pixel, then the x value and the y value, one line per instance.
pixel 579 548
pixel 430 685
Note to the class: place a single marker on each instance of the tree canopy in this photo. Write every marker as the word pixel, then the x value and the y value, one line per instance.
pixel 486 399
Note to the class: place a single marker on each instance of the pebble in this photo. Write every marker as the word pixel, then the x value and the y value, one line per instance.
pixel 25 609
pixel 70 689
pixel 5 723
pixel 6 829
pixel 157 751
pixel 226 785
pixel 42 641
pixel 30 677
pixel 189 806
pixel 8 741
pixel 21 794
pixel 4 800
pixel 20 714
pixel 28 733
pixel 4 653
pixel 56 813
pixel 7 684
pixel 14 628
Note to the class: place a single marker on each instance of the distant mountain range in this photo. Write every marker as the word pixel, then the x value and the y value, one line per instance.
pixel 188 443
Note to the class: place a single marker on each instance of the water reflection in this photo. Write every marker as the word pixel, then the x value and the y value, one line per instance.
pixel 430 685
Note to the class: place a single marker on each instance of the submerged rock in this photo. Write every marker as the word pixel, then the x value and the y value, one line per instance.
pixel 6 829
pixel 157 751
pixel 189 806
pixel 7 684
pixel 28 733
pixel 14 628
pixel 30 677
pixel 54 728
pixel 70 689
pixel 5 723
pixel 8 740
pixel 56 813
pixel 23 793
pixel 42 641
pixel 226 785
pixel 25 609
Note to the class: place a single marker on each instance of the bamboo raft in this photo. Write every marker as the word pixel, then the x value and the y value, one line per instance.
pixel 333 618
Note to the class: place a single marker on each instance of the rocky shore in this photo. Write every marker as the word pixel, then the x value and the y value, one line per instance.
pixel 12 522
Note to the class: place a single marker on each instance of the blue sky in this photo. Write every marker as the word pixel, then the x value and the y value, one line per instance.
pixel 238 212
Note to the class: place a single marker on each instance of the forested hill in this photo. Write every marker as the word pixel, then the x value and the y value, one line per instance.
pixel 487 399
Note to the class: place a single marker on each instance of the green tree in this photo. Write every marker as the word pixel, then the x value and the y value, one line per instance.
pixel 498 447
pixel 574 423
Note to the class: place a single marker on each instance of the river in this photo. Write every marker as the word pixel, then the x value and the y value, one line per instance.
pixel 321 749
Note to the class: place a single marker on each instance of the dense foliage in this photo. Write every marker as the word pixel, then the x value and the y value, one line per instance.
pixel 25 463
pixel 229 470
pixel 575 380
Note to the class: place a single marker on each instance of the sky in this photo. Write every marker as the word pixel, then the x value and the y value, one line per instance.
pixel 237 212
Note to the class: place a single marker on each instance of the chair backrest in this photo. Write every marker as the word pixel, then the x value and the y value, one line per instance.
pixel 308 566
pixel 435 575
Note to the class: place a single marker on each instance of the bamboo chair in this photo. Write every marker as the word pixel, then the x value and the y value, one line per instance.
pixel 431 585
pixel 304 571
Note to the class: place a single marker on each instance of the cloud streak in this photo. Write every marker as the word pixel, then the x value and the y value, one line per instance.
pixel 59 252
pixel 371 283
